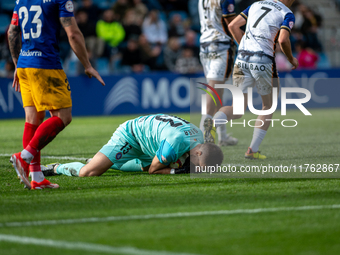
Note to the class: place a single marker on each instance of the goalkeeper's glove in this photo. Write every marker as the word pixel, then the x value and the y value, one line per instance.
pixel 185 169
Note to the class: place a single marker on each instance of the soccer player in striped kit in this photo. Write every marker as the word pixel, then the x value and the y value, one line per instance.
pixel 267 22
pixel 216 54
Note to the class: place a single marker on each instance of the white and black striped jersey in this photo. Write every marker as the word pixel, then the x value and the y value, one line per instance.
pixel 265 19
pixel 211 20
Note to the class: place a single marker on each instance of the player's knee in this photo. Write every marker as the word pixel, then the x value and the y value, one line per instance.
pixel 235 117
pixel 266 107
pixel 67 120
pixel 87 173
pixel 151 171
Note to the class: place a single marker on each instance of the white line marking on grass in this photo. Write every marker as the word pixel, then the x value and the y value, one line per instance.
pixel 79 159
pixel 51 157
pixel 165 216
pixel 83 246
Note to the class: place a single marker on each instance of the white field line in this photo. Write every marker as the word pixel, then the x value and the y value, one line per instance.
pixel 166 216
pixel 83 246
pixel 83 159
pixel 51 157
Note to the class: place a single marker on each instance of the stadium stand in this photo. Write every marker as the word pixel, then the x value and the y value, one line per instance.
pixel 318 27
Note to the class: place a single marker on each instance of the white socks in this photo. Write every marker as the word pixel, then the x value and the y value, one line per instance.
pixel 258 136
pixel 202 121
pixel 37 176
pixel 221 128
pixel 27 156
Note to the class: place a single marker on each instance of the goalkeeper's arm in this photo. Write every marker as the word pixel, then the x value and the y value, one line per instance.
pixel 157 167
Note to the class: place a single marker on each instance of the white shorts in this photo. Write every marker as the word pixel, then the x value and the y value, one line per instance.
pixel 217 65
pixel 264 76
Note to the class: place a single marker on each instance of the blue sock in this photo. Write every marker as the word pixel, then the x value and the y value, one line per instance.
pixel 132 166
pixel 70 169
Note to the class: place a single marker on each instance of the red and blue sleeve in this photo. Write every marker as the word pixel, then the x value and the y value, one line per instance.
pixel 288 22
pixel 66 8
pixel 15 17
pixel 244 14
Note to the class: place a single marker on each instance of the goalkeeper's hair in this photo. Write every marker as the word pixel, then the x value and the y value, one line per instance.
pixel 212 155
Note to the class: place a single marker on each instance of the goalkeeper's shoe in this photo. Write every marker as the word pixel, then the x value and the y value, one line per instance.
pixel 48 170
pixel 209 131
pixel 254 155
pixel 22 169
pixel 45 184
pixel 229 141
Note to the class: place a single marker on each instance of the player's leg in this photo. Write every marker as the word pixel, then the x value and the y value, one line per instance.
pixel 46 132
pixel 242 79
pixel 134 165
pixel 48 90
pixel 226 113
pixel 206 63
pixel 216 68
pixel 33 120
pixel 266 80
pixel 261 126
pixel 96 167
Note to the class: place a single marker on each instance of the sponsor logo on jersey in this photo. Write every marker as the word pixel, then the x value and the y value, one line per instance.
pixel 69 6
pixel 251 66
pixel 164 159
pixel 231 8
pixel 30 53
pixel 291 24
pixel 119 155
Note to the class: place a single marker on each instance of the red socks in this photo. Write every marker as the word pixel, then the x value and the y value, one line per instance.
pixel 29 132
pixel 44 134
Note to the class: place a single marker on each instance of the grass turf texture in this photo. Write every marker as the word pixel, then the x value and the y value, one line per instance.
pixel 315 140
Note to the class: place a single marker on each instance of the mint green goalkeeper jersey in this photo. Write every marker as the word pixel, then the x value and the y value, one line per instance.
pixel 167 137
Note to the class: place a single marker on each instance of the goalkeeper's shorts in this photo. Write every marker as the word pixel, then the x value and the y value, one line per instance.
pixel 46 89
pixel 122 148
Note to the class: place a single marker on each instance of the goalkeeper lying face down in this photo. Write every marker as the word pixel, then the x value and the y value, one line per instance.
pixel 159 144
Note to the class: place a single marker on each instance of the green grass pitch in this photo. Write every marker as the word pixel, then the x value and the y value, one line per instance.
pixel 315 140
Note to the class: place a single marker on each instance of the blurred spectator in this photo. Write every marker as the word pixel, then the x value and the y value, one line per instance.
pixel 140 9
pixel 94 44
pixel 120 8
pixel 187 63
pixel 309 27
pixel 191 42
pixel 193 11
pixel 64 46
pixel 171 53
pixel 306 56
pixel 149 54
pixel 299 9
pixel 282 63
pixel 155 29
pixel 8 71
pixel 176 26
pixel 174 5
pixel 111 31
pixel 132 56
pixel 80 67
pixel 131 24
pixel 91 9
